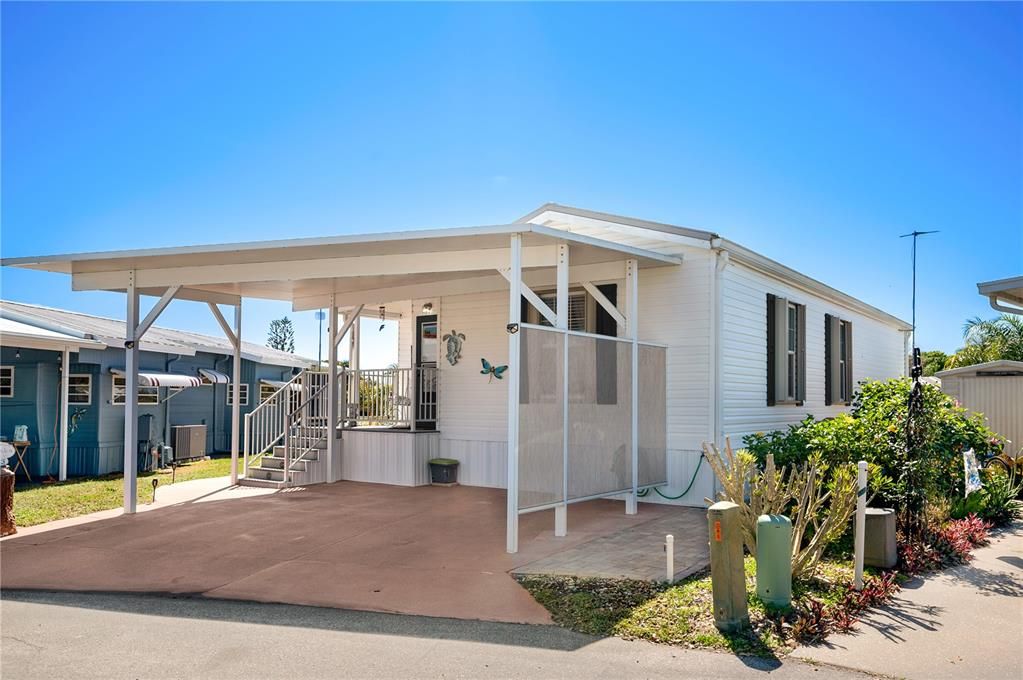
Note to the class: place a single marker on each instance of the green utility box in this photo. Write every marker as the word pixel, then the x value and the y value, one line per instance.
pixel 774 560
pixel 727 574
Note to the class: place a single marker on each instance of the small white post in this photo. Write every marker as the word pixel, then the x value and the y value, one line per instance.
pixel 861 521
pixel 65 387
pixel 669 557
pixel 561 520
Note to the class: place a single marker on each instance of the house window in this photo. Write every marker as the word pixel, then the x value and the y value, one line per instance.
pixel 79 389
pixel 244 392
pixel 792 353
pixel 265 392
pixel 6 381
pixel 786 351
pixel 838 360
pixel 148 396
pixel 576 310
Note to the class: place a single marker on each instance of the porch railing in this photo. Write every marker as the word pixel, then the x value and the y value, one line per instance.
pixel 265 425
pixel 307 424
pixel 386 396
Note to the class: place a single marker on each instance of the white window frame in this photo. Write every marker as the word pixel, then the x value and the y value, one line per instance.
pixel 266 391
pixel 88 389
pixel 792 349
pixel 244 391
pixel 10 377
pixel 148 396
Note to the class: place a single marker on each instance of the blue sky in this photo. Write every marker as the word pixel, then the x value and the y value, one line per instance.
pixel 815 134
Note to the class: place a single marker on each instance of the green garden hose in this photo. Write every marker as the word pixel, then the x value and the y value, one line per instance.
pixel 646 492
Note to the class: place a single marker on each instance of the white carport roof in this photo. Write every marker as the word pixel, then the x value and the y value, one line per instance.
pixel 368 268
pixel 1005 295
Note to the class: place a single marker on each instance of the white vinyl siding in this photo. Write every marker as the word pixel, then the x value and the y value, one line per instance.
pixel 877 352
pixel 6 381
pixel 79 389
pixel 148 396
pixel 244 387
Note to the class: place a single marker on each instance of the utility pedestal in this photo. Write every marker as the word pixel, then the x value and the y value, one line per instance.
pixel 728 578
pixel 774 560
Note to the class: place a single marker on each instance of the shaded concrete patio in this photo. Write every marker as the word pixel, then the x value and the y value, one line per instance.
pixel 421 550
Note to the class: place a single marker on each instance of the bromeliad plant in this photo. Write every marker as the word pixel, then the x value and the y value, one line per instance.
pixel 817 497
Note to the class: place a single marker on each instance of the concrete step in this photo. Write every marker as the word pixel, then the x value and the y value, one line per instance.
pixel 264 483
pixel 311 454
pixel 275 463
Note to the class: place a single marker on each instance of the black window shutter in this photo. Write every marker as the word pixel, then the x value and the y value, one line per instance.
pixel 828 397
pixel 604 322
pixel 771 339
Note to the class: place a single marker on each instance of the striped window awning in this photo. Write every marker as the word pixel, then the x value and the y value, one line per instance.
pixel 150 379
pixel 215 377
pixel 278 384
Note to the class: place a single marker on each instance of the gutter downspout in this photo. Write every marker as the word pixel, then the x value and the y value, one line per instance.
pixel 166 404
pixel 216 364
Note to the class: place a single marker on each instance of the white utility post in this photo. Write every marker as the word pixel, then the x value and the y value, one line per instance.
pixel 236 381
pixel 131 395
pixel 65 387
pixel 669 558
pixel 514 321
pixel 333 454
pixel 561 511
pixel 632 323
pixel 861 522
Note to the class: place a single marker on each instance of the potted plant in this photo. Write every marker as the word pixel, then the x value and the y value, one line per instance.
pixel 443 471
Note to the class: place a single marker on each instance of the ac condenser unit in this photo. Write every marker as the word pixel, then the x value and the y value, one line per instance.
pixel 189 442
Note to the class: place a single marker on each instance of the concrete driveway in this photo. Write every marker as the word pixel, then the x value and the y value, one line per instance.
pixel 965 622
pixel 426 550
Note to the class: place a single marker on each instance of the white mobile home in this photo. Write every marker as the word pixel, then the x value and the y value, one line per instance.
pixel 628 343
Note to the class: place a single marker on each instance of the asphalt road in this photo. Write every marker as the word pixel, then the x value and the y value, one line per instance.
pixel 82 635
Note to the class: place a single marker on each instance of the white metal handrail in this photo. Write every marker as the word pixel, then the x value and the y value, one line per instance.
pixel 384 396
pixel 265 425
pixel 307 424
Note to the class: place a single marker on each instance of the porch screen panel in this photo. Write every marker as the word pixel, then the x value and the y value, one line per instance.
pixel 653 416
pixel 599 416
pixel 541 418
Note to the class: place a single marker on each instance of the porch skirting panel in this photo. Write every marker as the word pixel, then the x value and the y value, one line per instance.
pixel 480 463
pixel 388 456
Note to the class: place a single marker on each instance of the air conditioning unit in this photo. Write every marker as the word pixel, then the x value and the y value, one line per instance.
pixel 189 441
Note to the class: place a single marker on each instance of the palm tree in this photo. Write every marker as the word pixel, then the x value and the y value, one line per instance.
pixel 990 340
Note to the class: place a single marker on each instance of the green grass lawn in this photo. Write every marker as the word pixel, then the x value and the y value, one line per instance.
pixel 679 614
pixel 39 503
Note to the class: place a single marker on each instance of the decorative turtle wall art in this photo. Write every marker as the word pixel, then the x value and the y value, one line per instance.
pixel 454 341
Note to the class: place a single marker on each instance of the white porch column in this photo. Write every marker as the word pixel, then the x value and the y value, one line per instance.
pixel 236 380
pixel 632 296
pixel 353 359
pixel 333 454
pixel 65 387
pixel 561 512
pixel 131 395
pixel 514 319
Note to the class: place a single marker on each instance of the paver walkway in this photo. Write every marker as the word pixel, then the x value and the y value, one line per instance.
pixel 965 622
pixel 424 550
pixel 636 553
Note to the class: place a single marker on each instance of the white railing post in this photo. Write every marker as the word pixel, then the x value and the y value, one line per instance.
pixel 413 397
pixel 246 446
pixel 861 522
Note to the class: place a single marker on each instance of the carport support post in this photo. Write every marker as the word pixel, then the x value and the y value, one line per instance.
pixel 236 380
pixel 332 391
pixel 561 511
pixel 65 387
pixel 632 296
pixel 131 395
pixel 514 320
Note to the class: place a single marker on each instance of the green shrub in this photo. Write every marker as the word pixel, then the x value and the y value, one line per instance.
pixel 875 431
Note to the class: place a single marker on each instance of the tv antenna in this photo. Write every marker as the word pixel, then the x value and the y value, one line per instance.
pixel 915 235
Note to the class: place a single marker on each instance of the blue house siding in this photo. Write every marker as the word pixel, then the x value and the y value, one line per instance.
pixel 97 445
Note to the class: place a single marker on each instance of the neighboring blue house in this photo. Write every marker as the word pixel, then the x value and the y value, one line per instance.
pixel 30 385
